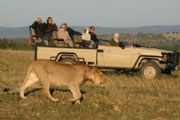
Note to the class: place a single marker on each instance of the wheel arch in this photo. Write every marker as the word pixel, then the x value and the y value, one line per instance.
pixel 65 55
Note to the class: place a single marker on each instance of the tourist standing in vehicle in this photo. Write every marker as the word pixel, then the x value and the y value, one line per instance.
pixel 93 36
pixel 115 41
pixel 63 34
pixel 50 27
pixel 39 27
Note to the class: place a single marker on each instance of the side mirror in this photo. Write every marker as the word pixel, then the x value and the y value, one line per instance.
pixel 122 45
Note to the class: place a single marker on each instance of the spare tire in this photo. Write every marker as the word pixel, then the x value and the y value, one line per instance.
pixel 68 61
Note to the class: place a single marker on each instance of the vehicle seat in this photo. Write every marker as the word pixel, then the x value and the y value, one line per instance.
pixel 77 40
pixel 56 41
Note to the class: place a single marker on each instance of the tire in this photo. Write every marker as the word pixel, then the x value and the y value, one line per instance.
pixel 68 61
pixel 150 71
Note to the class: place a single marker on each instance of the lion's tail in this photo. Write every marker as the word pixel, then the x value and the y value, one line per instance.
pixel 15 90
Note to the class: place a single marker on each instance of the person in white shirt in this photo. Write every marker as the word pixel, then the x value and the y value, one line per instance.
pixel 86 39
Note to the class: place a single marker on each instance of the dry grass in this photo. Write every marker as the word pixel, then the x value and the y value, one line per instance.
pixel 123 97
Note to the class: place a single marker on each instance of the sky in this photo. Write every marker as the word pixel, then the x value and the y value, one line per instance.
pixel 105 13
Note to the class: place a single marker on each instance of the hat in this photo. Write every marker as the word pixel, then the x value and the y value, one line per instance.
pixel 92 27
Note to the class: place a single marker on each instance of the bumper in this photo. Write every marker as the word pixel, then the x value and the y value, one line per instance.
pixel 173 61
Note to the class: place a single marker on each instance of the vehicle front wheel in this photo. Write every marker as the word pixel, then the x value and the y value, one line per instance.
pixel 150 71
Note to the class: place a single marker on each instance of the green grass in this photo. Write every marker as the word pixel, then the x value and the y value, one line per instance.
pixel 172 47
pixel 124 97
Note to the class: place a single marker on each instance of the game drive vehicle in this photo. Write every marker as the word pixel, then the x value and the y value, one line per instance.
pixel 150 63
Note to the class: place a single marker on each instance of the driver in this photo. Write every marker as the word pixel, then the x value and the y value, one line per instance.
pixel 115 41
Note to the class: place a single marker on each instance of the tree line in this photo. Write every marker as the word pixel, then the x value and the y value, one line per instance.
pixel 16 44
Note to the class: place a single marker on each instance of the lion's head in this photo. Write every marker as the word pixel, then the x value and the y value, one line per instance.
pixel 96 76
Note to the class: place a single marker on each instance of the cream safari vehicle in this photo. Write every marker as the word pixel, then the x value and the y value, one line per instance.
pixel 150 63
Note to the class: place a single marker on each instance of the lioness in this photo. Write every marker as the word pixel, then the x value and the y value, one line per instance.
pixel 53 73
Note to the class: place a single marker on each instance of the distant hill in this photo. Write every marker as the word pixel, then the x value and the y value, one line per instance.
pixel 14 32
pixel 23 32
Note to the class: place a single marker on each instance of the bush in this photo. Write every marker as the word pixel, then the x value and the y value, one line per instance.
pixel 171 47
pixel 14 45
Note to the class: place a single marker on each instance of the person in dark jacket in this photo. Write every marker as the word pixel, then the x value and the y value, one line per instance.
pixel 93 36
pixel 38 27
pixel 50 26
pixel 71 31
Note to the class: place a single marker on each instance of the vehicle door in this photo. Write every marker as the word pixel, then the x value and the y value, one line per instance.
pixel 114 57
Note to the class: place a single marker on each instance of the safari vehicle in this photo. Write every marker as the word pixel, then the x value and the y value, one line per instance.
pixel 150 63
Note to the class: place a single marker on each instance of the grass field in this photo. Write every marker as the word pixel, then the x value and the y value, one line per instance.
pixel 124 97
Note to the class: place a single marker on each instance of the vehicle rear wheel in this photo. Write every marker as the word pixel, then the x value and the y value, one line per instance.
pixel 150 71
pixel 68 61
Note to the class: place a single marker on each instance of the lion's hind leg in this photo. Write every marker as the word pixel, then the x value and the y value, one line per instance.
pixel 31 79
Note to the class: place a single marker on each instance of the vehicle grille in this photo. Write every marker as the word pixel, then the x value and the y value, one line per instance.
pixel 174 58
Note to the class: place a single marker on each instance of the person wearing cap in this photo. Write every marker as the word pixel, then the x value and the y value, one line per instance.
pixel 115 41
pixel 93 36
